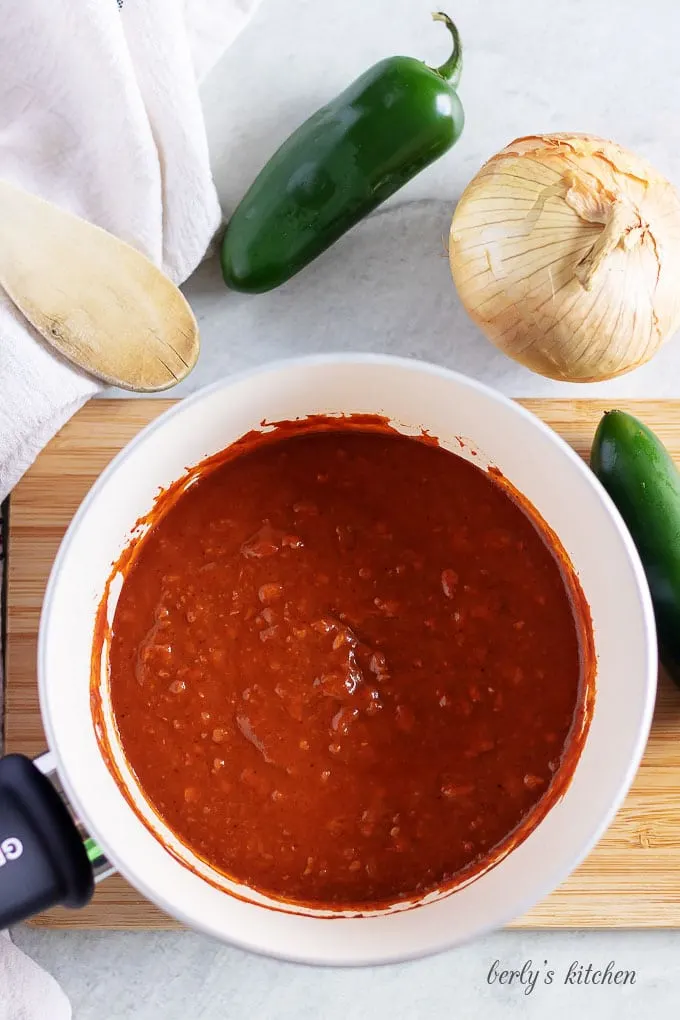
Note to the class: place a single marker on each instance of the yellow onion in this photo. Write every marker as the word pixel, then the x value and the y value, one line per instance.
pixel 565 250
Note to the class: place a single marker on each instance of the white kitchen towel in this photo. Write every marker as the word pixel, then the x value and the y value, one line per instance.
pixel 27 992
pixel 100 113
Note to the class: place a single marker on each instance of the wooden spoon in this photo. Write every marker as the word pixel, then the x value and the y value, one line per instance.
pixel 97 300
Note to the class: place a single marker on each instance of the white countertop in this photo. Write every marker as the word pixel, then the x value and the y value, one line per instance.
pixel 121 976
pixel 609 67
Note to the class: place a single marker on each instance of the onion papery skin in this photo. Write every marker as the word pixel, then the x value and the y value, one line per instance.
pixel 565 251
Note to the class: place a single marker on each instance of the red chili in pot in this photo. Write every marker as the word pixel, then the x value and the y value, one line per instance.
pixel 349 667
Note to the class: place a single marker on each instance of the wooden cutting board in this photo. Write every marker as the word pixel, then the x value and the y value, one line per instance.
pixel 631 879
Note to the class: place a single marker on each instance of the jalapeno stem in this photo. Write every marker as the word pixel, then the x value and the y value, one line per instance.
pixel 451 69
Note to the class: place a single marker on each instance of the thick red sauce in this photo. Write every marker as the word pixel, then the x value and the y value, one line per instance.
pixel 347 667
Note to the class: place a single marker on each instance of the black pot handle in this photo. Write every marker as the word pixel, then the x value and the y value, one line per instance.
pixel 43 861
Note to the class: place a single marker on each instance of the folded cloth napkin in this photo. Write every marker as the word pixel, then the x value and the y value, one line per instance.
pixel 27 992
pixel 99 113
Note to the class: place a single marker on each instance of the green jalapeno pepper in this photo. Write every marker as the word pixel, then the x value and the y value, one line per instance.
pixel 387 126
pixel 639 474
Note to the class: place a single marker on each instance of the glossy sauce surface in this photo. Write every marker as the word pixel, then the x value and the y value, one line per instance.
pixel 346 665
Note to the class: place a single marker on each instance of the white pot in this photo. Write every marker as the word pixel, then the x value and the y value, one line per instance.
pixel 415 396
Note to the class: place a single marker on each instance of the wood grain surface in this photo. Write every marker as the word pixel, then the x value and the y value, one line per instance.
pixel 631 879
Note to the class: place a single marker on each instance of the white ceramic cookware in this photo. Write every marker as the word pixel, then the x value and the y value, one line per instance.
pixel 414 396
